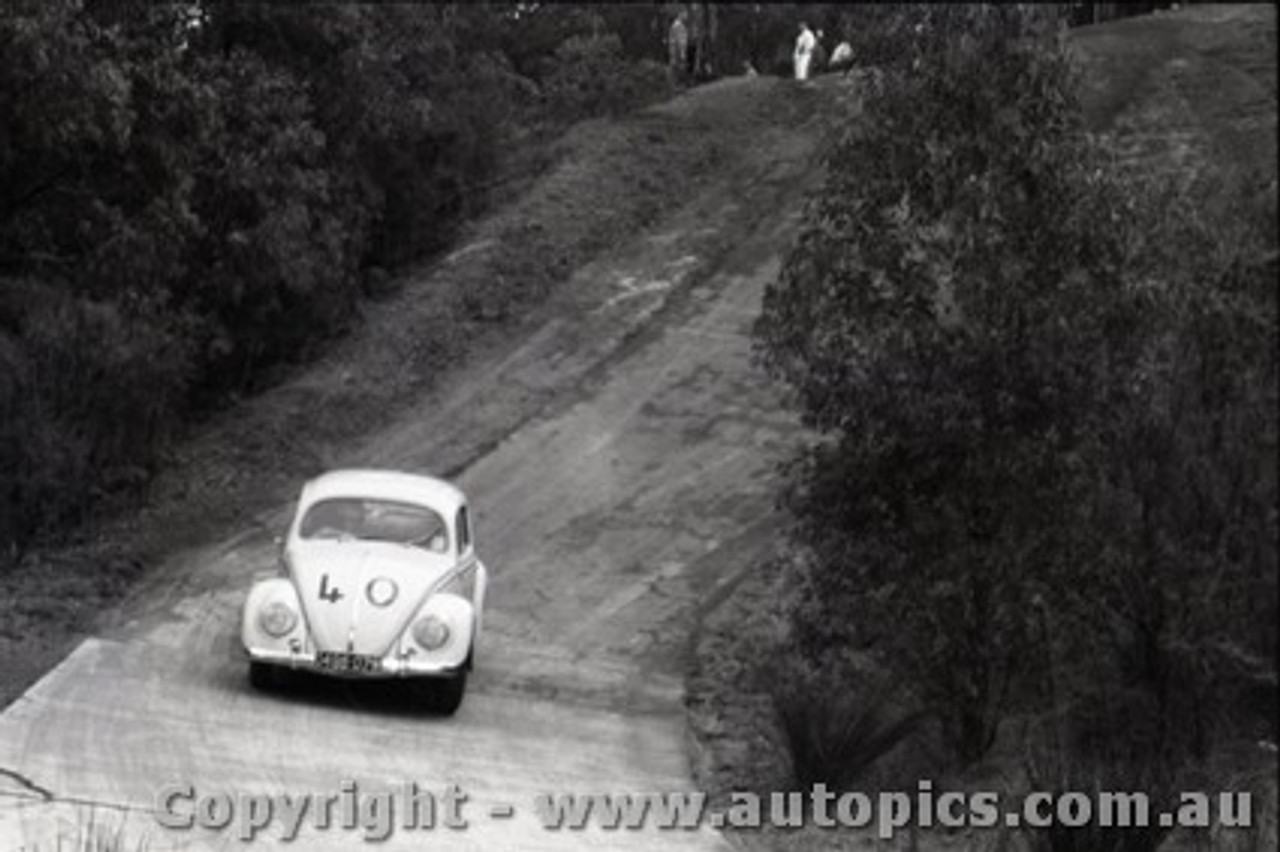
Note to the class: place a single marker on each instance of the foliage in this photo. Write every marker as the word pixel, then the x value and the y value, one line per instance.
pixel 1180 592
pixel 591 76
pixel 418 119
pixel 86 391
pixel 919 319
pixel 196 194
pixel 1028 394
pixel 276 261
pixel 838 720
pixel 877 32
pixel 1097 781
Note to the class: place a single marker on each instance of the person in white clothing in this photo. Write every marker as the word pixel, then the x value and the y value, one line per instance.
pixel 804 51
pixel 678 46
pixel 842 55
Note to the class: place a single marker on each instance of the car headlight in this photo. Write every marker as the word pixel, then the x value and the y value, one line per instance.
pixel 430 632
pixel 277 619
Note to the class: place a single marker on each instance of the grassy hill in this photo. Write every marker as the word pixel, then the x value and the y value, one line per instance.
pixel 1191 92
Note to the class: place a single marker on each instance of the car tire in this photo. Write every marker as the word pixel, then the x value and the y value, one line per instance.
pixel 447 693
pixel 262 675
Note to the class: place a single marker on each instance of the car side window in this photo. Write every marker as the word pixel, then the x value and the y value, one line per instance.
pixel 464 530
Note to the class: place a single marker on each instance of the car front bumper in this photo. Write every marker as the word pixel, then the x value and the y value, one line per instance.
pixel 367 668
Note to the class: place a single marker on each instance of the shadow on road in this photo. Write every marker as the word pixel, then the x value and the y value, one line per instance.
pixel 391 697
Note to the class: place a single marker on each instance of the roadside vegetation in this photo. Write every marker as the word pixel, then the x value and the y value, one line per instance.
pixel 197 194
pixel 1034 539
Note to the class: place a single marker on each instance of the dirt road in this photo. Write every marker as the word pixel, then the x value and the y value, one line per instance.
pixel 617 459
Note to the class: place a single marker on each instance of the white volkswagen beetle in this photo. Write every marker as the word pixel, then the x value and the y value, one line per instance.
pixel 378 579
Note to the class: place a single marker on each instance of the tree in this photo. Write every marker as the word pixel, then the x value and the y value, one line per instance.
pixel 970 318
pixel 195 193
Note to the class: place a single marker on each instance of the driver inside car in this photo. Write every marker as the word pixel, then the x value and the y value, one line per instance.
pixel 335 519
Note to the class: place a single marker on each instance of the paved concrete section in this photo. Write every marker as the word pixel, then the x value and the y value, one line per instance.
pixel 159 721
pixel 610 457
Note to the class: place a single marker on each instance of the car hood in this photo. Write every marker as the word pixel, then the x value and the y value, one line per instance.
pixel 360 596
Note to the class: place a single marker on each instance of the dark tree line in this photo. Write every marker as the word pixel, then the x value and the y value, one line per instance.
pixel 193 193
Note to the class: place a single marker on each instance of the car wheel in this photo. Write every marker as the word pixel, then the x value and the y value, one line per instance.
pixel 262 676
pixel 447 693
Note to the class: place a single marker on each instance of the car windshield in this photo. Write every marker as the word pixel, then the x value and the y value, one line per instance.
pixel 375 520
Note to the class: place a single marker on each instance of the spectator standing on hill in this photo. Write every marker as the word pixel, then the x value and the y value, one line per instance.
pixel 818 63
pixel 678 46
pixel 804 51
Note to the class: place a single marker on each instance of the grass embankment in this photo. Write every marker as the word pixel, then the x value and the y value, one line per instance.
pixel 608 180
pixel 1190 94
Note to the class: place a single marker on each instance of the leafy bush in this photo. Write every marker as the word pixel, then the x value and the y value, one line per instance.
pixel 589 77
pixel 209 196
pixel 1095 781
pixel 921 320
pixel 276 262
pixel 877 33
pixel 1039 379
pixel 88 391
pixel 237 176
pixel 837 719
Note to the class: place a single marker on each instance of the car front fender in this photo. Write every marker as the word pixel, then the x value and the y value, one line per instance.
pixel 262 594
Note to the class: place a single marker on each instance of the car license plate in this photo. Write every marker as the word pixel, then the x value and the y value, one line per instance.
pixel 340 662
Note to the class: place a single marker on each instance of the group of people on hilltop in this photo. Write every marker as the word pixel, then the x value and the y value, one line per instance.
pixel 809 57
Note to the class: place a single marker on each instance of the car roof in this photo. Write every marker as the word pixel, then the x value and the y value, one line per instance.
pixel 420 489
